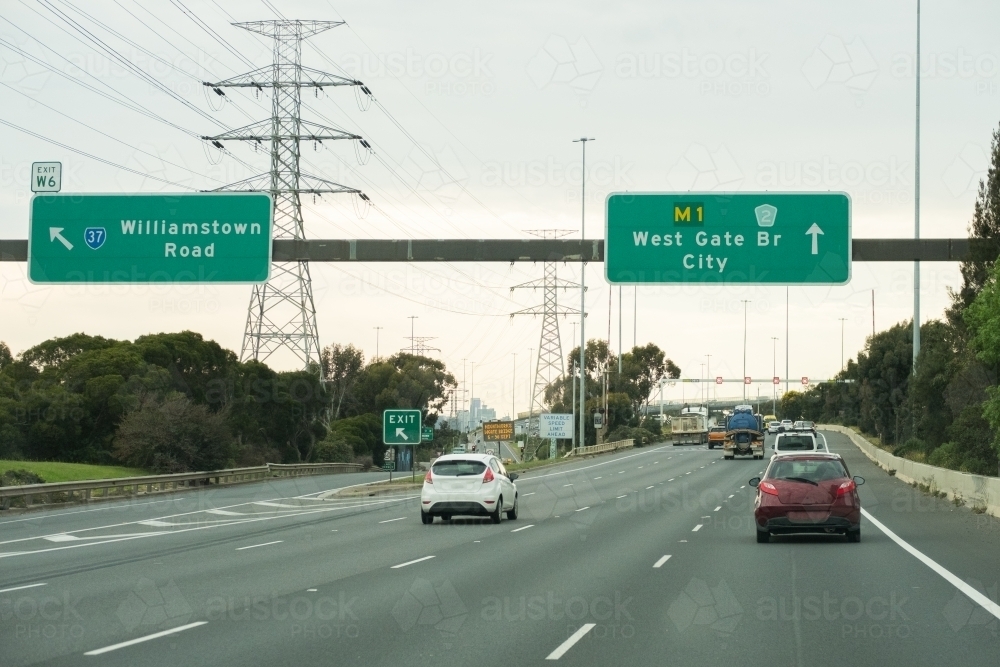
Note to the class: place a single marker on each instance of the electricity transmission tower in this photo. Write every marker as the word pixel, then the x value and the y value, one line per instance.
pixel 282 313
pixel 418 345
pixel 550 360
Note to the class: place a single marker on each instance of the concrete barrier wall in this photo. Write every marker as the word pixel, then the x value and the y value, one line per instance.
pixel 975 490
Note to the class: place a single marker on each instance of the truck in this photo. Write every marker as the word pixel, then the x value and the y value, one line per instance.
pixel 744 434
pixel 691 427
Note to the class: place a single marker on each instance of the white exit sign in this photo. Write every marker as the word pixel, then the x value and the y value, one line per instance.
pixel 46 176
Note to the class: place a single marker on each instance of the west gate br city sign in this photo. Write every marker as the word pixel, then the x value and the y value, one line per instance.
pixel 210 237
pixel 714 238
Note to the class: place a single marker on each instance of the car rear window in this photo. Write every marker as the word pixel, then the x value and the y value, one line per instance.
pixel 718 429
pixel 811 469
pixel 791 443
pixel 458 468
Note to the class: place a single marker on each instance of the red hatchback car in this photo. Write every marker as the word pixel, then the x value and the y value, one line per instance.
pixel 807 493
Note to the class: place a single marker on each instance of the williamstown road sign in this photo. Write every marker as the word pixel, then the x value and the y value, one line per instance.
pixel 211 237
pixel 401 427
pixel 758 238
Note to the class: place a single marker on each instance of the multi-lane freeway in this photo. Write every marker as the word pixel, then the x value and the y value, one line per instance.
pixel 646 557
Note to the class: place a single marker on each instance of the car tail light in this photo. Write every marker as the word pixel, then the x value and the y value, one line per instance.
pixel 488 477
pixel 427 478
pixel 768 488
pixel 846 487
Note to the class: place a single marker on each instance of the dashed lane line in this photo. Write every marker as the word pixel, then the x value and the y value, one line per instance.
pixel 139 640
pixel 660 562
pixel 265 544
pixel 697 528
pixel 573 639
pixel 411 562
pixel 518 530
pixel 391 520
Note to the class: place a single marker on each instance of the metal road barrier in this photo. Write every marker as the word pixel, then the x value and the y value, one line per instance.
pixel 606 447
pixel 125 487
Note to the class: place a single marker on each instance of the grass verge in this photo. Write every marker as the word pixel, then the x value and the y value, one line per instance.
pixel 53 471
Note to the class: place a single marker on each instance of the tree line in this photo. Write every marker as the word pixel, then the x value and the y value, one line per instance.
pixel 945 409
pixel 175 402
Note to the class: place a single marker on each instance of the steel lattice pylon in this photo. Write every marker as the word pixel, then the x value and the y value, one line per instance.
pixel 282 313
pixel 549 366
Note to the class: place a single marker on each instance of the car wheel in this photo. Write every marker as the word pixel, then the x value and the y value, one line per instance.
pixel 495 516
pixel 763 537
pixel 426 518
pixel 854 536
pixel 512 512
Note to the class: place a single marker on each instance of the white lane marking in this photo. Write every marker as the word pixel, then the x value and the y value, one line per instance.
pixel 411 562
pixel 970 592
pixel 743 487
pixel 640 467
pixel 661 561
pixel 595 465
pixel 310 590
pixel 648 488
pixel 334 530
pixel 682 540
pixel 573 639
pixel 138 640
pixel 717 508
pixel 528 494
pixel 391 520
pixel 621 472
pixel 697 528
pixel 267 503
pixel 597 478
pixel 687 473
pixel 155 523
pixel 582 508
pixel 19 588
pixel 565 485
pixel 671 479
pixel 74 538
pixel 730 496
pixel 115 506
pixel 265 544
pixel 655 462
pixel 225 513
pixel 622 496
pixel 518 530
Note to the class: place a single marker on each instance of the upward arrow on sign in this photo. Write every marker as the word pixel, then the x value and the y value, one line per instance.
pixel 815 231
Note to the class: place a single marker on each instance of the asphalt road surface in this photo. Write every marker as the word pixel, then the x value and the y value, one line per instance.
pixel 645 557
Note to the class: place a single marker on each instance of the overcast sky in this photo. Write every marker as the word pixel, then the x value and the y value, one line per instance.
pixel 708 95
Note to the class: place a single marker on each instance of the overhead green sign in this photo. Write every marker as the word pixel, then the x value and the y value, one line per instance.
pixel 758 238
pixel 204 237
pixel 401 427
pixel 427 434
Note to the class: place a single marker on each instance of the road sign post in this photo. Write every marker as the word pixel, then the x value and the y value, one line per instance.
pixel 716 238
pixel 203 237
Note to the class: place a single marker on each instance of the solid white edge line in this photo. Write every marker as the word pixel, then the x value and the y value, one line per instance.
pixel 391 520
pixel 970 592
pixel 697 528
pixel 518 530
pixel 19 588
pixel 661 561
pixel 411 562
pixel 138 640
pixel 265 544
pixel 573 639
pixel 582 508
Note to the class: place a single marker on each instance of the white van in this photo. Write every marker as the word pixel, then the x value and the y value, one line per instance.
pixel 796 443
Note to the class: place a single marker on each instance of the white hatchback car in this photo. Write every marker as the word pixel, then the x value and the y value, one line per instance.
pixel 468 485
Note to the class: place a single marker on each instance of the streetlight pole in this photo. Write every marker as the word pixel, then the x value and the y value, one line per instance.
pixel 774 369
pixel 745 302
pixel 708 377
pixel 701 383
pixel 412 318
pixel 377 329
pixel 842 320
pixel 916 212
pixel 583 289
pixel 513 391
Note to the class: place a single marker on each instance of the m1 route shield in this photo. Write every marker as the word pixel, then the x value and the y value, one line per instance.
pixel 719 238
pixel 203 237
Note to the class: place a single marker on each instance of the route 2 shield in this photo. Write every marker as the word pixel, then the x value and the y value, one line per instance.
pixel 94 237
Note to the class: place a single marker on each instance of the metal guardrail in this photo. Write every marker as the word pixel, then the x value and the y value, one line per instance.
pixel 605 447
pixel 125 487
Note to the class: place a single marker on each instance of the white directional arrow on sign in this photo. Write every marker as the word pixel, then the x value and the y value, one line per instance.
pixel 815 231
pixel 54 234
pixel 401 433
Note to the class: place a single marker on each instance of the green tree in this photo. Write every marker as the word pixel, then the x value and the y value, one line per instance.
pixel 342 366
